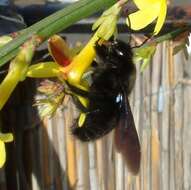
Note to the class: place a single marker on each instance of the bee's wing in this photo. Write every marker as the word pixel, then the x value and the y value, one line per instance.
pixel 126 138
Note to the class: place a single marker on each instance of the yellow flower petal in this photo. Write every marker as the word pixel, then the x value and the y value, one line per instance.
pixel 59 50
pixel 2 154
pixel 43 70
pixel 161 17
pixel 142 18
pixel 82 61
pixel 6 137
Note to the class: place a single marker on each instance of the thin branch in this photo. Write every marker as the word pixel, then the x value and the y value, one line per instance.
pixel 165 37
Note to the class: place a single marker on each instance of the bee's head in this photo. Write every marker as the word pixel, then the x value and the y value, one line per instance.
pixel 114 52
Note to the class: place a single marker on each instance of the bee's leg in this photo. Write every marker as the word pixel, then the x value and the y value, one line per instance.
pixel 78 91
pixel 84 93
pixel 79 105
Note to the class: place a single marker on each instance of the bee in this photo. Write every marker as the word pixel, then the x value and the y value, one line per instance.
pixel 112 81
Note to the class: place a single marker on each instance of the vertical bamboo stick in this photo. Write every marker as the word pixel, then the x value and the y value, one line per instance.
pixel 47 178
pixel 144 135
pixel 136 106
pixel 178 119
pixel 145 161
pixel 155 144
pixel 104 162
pixel 146 124
pixel 56 157
pixel 41 156
pixel 187 129
pixel 119 171
pixel 50 139
pixel 61 127
pixel 171 115
pixel 110 161
pixel 128 180
pixel 70 147
pixel 82 162
pixel 101 162
pixel 165 169
pixel 93 166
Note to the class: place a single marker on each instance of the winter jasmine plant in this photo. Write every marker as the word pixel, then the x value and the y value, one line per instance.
pixel 67 67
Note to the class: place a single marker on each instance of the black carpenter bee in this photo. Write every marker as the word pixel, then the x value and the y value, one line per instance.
pixel 109 107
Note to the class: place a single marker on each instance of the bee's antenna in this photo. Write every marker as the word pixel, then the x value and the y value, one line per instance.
pixel 129 21
pixel 145 41
pixel 130 38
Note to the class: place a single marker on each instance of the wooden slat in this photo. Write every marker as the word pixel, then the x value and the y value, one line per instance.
pixel 178 119
pixel 155 141
pixel 146 125
pixel 82 162
pixel 111 162
pixel 62 154
pixel 70 147
pixel 119 171
pixel 45 149
pixel 171 115
pixel 136 106
pixel 165 101
pixel 187 128
pixel 94 184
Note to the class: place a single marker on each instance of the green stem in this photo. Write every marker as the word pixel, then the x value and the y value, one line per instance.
pixel 54 24
pixel 168 36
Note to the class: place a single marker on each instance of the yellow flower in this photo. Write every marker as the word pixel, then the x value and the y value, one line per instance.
pixel 62 55
pixel 149 10
pixel 66 67
pixel 60 52
pixel 4 138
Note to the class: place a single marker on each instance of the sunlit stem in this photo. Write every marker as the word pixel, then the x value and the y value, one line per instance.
pixel 17 72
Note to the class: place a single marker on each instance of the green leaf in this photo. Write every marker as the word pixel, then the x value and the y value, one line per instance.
pixel 144 64
pixel 106 24
pixel 145 54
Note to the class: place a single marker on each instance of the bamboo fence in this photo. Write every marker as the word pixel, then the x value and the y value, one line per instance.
pixel 52 159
